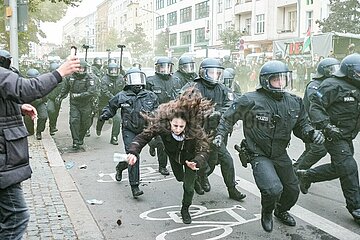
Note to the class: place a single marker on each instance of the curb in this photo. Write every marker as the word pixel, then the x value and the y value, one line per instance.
pixel 84 224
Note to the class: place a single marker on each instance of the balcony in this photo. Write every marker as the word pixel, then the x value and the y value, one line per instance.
pixel 283 3
pixel 243 6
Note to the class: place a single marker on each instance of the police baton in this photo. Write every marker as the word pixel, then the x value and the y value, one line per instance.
pixel 243 158
pixel 86 47
pixel 121 55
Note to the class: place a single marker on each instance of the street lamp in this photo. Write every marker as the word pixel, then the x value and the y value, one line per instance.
pixel 167 29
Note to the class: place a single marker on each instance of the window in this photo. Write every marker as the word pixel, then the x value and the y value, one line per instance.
pixel 260 23
pixel 228 24
pixel 202 10
pixel 309 19
pixel 172 18
pixel 247 29
pixel 219 6
pixel 170 2
pixel 172 40
pixel 160 22
pixel 219 30
pixel 309 2
pixel 199 35
pixel 185 37
pixel 185 15
pixel 292 21
pixel 159 4
pixel 228 4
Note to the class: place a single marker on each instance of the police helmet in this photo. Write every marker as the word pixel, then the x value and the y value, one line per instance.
pixel 226 58
pixel 32 73
pixel 232 71
pixel 228 77
pixel 327 67
pixel 112 70
pixel 112 60
pixel 163 66
pixel 82 71
pixel 275 72
pixel 53 66
pixel 211 70
pixel 350 67
pixel 5 59
pixel 137 65
pixel 278 55
pixel 97 61
pixel 134 76
pixel 186 64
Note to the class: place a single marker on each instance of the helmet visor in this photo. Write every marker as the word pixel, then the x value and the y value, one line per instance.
pixel 329 70
pixel 138 78
pixel 113 72
pixel 187 67
pixel 214 75
pixel 279 81
pixel 355 72
pixel 164 68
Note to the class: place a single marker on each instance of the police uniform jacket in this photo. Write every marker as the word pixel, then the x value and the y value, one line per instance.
pixel 131 105
pixel 311 88
pixel 178 151
pixel 337 102
pixel 109 87
pixel 14 154
pixel 165 87
pixel 268 123
pixel 185 77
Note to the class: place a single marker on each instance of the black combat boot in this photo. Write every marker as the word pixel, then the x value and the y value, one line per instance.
pixel 114 140
pixel 119 169
pixel 356 215
pixel 267 220
pixel 303 181
pixel 152 151
pixel 236 194
pixel 38 136
pixel 205 183
pixel 185 214
pixel 136 191
pixel 285 218
pixel 164 171
pixel 198 188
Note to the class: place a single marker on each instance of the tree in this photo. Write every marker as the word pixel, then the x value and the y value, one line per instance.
pixel 344 17
pixel 230 37
pixel 162 43
pixel 112 39
pixel 136 41
pixel 39 11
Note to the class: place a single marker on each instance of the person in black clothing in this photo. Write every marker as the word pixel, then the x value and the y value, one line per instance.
pixel 186 72
pixel 179 124
pixel 269 116
pixel 166 87
pixel 208 83
pixel 314 152
pixel 110 85
pixel 335 110
pixel 133 101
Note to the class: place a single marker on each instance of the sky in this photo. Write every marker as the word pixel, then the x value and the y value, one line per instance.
pixel 53 31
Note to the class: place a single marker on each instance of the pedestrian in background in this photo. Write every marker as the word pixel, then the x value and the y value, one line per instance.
pixel 14 152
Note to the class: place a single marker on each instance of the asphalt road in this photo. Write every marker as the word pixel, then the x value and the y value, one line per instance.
pixel 321 214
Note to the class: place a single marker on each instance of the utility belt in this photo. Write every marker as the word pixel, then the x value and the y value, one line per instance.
pixel 245 155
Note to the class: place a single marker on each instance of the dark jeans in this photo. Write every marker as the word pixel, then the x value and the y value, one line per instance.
pixel 133 171
pixel 222 156
pixel 312 154
pixel 160 151
pixel 276 181
pixel 184 174
pixel 342 166
pixel 14 214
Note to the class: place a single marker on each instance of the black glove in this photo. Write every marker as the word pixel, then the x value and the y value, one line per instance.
pixel 318 137
pixel 218 140
pixel 102 117
pixel 332 133
pixel 58 101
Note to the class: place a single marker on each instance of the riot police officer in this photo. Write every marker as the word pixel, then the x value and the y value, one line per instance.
pixel 110 85
pixel 82 89
pixel 314 152
pixel 208 83
pixel 186 70
pixel 227 63
pixel 229 81
pixel 270 115
pixel 96 67
pixel 335 109
pixel 166 87
pixel 53 107
pixel 132 101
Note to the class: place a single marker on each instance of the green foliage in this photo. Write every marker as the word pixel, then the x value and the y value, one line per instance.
pixel 230 37
pixel 112 40
pixel 161 43
pixel 136 41
pixel 39 11
pixel 344 17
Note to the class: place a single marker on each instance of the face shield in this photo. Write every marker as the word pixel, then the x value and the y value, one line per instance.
pixel 113 72
pixel 163 68
pixel 354 72
pixel 278 82
pixel 137 78
pixel 329 70
pixel 213 75
pixel 187 67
